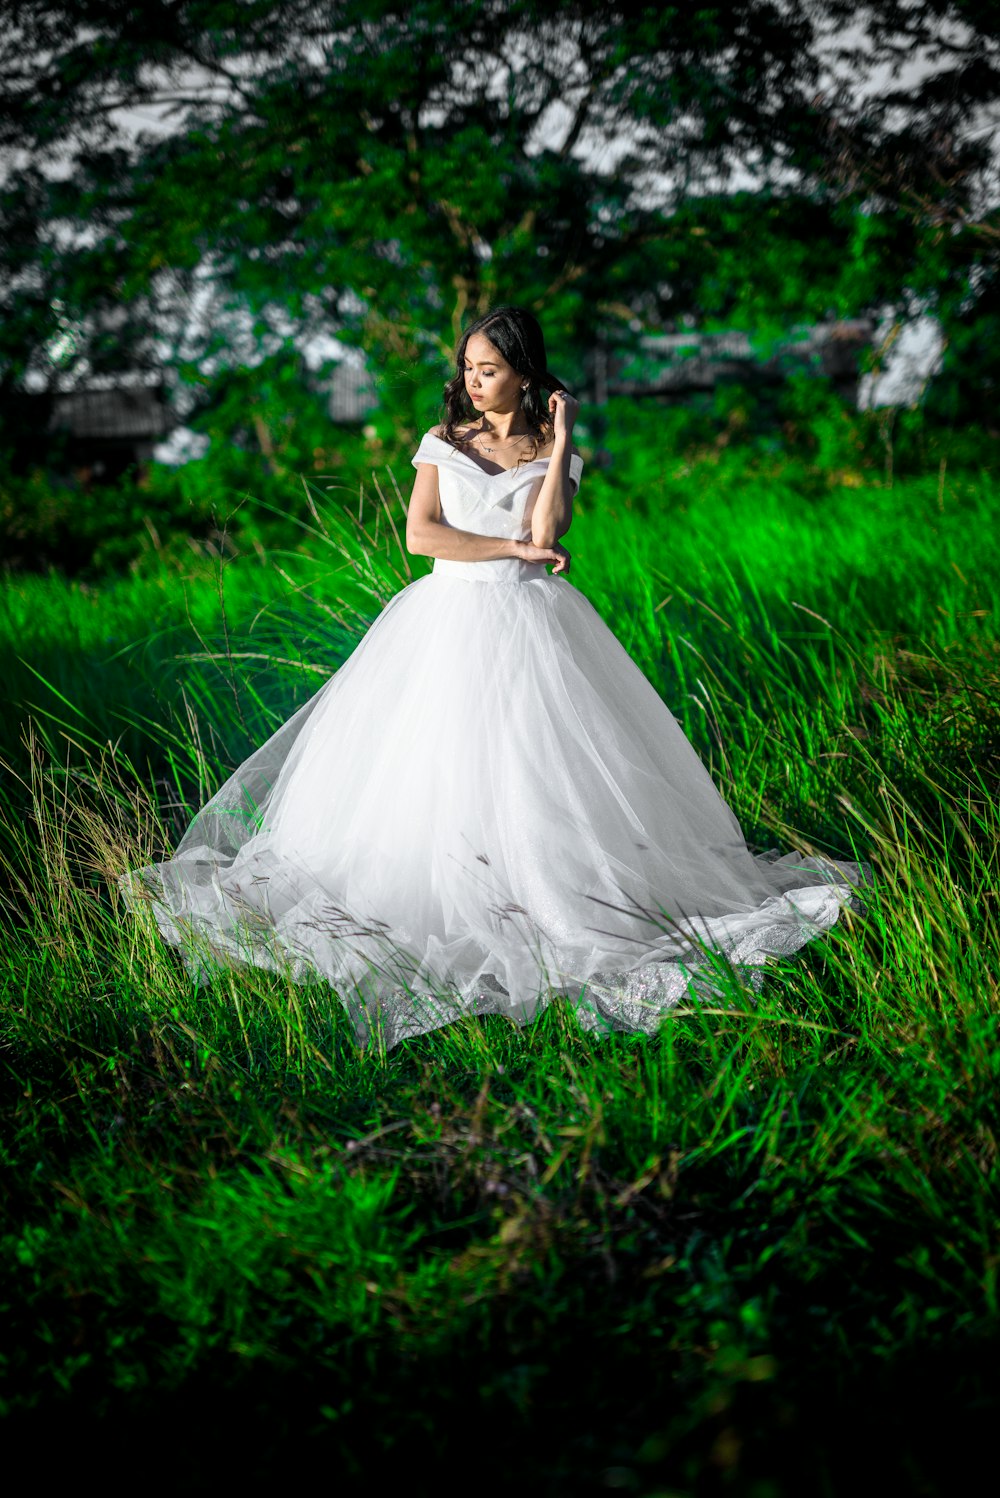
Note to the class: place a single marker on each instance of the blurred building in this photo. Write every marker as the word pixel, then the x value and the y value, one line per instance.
pixel 99 434
pixel 678 366
pixel 96 434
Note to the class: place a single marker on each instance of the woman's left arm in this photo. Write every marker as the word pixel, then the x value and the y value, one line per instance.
pixel 552 512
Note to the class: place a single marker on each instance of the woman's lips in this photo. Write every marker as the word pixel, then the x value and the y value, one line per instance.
pixel 476 397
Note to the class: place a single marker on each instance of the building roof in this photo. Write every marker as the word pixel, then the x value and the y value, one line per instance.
pixel 124 413
pixel 135 413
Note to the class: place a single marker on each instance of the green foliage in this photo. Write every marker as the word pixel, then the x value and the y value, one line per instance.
pixel 766 261
pixel 50 521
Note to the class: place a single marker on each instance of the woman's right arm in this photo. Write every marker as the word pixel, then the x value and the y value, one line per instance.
pixel 429 535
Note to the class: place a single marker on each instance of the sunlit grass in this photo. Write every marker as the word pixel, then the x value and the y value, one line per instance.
pixel 741 1249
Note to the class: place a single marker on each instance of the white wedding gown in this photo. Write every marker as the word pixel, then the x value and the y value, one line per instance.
pixel 487 804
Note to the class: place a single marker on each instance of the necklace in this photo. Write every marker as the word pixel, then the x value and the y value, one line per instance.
pixel 523 438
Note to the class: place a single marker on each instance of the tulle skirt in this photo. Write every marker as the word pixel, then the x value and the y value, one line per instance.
pixel 488 804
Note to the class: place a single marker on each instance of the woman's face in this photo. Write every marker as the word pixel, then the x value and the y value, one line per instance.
pixel 490 382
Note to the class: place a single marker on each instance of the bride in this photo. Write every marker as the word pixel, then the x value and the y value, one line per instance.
pixel 488 804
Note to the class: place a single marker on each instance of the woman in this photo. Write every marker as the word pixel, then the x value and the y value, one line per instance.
pixel 488 804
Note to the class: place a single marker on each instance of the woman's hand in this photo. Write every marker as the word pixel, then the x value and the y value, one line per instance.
pixel 557 556
pixel 563 409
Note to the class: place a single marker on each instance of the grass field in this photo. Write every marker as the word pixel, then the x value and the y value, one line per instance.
pixel 757 1254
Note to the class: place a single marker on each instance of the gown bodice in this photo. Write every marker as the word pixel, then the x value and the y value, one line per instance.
pixel 489 504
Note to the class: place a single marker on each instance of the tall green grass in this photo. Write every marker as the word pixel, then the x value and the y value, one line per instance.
pixel 757 1253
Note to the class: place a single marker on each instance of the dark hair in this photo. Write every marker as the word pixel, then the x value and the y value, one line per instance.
pixel 515 334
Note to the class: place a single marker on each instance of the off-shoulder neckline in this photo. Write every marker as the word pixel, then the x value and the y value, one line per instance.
pixel 514 468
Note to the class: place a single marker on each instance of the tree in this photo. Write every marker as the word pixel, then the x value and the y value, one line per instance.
pixel 367 169
pixel 924 154
pixel 380 173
